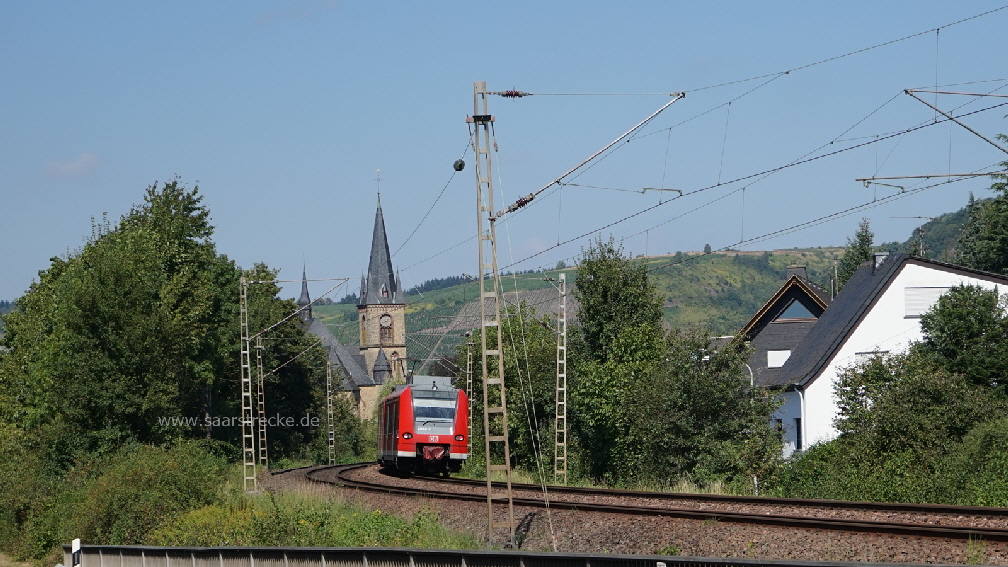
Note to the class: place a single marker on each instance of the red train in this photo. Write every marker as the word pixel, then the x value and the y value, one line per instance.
pixel 423 427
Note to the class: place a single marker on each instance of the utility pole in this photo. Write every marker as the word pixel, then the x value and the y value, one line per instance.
pixel 560 435
pixel 495 418
pixel 329 413
pixel 248 445
pixel 261 403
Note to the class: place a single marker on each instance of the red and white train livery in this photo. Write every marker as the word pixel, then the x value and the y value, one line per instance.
pixel 423 426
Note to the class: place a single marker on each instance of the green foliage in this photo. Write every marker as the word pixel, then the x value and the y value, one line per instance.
pixel 983 243
pixel 967 332
pixel 859 249
pixel 115 499
pixel 140 326
pixel 530 378
pixel 614 294
pixel 940 235
pixel 655 407
pixel 309 520
pixel 663 409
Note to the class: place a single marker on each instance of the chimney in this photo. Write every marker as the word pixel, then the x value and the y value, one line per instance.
pixel 877 259
pixel 799 271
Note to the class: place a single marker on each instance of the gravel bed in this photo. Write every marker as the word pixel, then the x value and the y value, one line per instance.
pixel 600 532
pixel 980 521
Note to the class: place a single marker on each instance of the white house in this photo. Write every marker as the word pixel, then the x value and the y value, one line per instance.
pixel 878 311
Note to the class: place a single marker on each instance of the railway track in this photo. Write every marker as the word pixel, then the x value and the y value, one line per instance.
pixel 941 521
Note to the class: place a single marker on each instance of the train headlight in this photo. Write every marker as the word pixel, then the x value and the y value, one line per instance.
pixel 407 435
pixel 460 437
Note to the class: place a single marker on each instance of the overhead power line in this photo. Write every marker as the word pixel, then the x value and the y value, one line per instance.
pixel 743 178
pixel 528 198
pixel 855 52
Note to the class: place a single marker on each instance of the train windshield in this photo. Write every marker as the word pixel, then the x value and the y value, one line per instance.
pixel 434 406
pixel 427 412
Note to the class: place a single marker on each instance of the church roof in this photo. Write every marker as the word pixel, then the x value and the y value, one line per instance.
pixel 342 356
pixel 380 286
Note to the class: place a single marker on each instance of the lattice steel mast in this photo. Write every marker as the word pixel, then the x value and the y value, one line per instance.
pixel 261 407
pixel 469 389
pixel 560 436
pixel 329 414
pixel 248 443
pixel 495 418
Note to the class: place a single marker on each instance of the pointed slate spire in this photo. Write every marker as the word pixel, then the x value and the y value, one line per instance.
pixel 304 302
pixel 381 284
pixel 382 369
pixel 363 290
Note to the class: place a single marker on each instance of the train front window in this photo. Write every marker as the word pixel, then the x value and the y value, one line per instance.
pixel 427 412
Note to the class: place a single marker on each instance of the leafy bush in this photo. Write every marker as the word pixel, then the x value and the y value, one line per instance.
pixel 311 519
pixel 118 499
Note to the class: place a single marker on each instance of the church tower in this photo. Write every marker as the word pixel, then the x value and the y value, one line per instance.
pixel 304 302
pixel 381 312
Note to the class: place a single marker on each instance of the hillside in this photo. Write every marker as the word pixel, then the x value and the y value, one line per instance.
pixel 940 235
pixel 717 291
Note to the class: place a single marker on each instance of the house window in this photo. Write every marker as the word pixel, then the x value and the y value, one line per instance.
pixel 796 311
pixel 777 358
pixel 797 434
pixel 920 299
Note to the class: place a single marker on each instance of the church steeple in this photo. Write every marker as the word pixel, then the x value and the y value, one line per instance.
pixel 304 302
pixel 381 286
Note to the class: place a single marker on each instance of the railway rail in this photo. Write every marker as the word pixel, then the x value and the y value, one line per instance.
pixel 942 521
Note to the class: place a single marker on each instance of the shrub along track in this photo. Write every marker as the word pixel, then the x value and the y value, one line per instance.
pixel 921 520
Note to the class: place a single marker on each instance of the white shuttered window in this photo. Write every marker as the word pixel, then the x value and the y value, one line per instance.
pixel 920 299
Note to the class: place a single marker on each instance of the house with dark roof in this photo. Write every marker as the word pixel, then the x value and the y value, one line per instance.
pixel 877 312
pixel 777 328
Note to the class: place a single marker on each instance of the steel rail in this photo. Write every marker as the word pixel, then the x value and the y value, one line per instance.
pixel 836 524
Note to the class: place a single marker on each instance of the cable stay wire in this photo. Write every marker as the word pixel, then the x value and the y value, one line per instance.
pixel 528 401
pixel 298 310
pixel 528 198
pixel 454 171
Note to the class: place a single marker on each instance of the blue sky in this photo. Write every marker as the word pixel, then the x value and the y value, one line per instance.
pixel 282 112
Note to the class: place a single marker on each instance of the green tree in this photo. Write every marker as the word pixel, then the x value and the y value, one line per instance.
pixel 614 294
pixel 654 406
pixel 859 249
pixel 140 325
pixel 530 378
pixel 983 242
pixel 967 332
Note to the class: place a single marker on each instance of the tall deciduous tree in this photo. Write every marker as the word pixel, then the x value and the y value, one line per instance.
pixel 137 327
pixel 859 249
pixel 614 294
pixel 653 406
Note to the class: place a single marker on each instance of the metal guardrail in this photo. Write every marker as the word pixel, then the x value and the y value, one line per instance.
pixel 145 556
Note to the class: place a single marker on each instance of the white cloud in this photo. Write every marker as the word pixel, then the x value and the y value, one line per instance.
pixel 80 165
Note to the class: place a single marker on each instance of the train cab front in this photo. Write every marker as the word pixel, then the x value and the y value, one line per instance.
pixel 439 433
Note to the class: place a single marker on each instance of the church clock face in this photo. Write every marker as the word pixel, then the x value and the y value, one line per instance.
pixel 385 320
